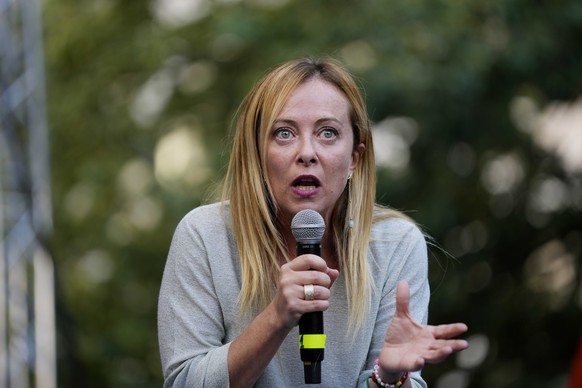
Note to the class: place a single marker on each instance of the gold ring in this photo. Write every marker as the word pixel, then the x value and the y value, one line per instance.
pixel 309 292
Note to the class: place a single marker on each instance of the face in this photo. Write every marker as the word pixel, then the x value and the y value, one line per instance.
pixel 310 150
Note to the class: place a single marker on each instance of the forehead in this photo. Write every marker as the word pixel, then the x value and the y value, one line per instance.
pixel 317 95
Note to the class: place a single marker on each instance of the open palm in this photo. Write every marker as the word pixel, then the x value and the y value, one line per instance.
pixel 408 345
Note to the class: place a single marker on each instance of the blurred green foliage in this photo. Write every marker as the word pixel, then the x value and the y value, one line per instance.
pixel 141 97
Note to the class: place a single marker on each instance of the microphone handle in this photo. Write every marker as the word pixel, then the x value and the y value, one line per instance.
pixel 311 323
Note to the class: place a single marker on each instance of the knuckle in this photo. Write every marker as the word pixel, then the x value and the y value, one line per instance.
pixel 284 282
pixel 314 276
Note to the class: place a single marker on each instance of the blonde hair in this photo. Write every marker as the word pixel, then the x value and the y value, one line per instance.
pixel 254 209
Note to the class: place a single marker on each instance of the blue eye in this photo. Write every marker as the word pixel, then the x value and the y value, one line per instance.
pixel 329 133
pixel 283 134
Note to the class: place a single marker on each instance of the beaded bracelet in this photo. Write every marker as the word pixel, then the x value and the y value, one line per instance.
pixel 376 378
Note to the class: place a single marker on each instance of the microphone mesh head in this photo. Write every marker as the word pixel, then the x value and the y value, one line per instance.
pixel 307 226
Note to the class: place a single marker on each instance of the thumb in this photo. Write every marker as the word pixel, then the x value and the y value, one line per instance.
pixel 402 297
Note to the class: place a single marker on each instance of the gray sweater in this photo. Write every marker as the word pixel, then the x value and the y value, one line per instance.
pixel 199 316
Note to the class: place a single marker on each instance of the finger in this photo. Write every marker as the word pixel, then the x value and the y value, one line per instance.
pixel 313 277
pixel 319 293
pixel 454 345
pixel 333 275
pixel 443 348
pixel 438 355
pixel 320 301
pixel 458 345
pixel 402 297
pixel 449 330
pixel 307 262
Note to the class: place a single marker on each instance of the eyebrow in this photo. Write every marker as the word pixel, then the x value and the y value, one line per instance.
pixel 318 121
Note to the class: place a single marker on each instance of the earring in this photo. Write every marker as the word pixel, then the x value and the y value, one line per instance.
pixel 350 220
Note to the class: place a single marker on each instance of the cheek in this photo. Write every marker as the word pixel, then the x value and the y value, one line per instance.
pixel 343 164
pixel 339 171
pixel 276 166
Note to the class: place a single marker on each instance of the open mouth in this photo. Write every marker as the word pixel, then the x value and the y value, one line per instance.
pixel 305 183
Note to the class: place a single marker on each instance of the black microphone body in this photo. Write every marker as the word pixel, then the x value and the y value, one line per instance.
pixel 311 323
pixel 308 228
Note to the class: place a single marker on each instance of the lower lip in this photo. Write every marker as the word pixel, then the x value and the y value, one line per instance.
pixel 305 193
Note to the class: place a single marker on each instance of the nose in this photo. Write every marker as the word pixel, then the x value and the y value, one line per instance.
pixel 306 154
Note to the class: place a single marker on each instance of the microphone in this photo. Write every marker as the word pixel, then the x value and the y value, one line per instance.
pixel 308 228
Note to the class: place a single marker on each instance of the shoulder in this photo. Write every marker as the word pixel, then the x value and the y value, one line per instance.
pixel 207 221
pixel 207 215
pixel 398 249
pixel 203 237
pixel 395 237
pixel 396 227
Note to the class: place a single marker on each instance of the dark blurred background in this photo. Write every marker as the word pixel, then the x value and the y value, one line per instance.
pixel 478 127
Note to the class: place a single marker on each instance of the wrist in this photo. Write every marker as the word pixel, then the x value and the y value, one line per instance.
pixel 388 379
pixel 274 320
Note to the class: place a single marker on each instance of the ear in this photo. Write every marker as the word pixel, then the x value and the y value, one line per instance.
pixel 356 156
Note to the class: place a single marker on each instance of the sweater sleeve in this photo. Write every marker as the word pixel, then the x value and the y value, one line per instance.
pixel 399 254
pixel 190 323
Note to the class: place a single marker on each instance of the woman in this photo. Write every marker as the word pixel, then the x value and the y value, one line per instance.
pixel 233 290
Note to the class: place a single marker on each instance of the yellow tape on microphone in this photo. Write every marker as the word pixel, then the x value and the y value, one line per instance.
pixel 311 341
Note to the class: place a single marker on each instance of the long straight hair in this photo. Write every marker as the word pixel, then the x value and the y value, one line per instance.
pixel 253 207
